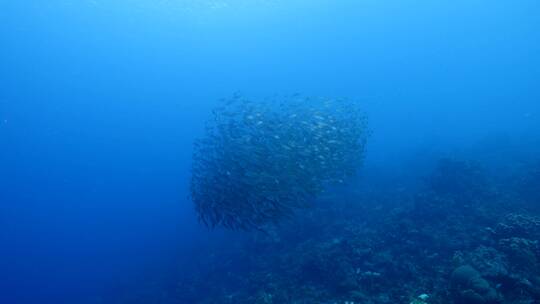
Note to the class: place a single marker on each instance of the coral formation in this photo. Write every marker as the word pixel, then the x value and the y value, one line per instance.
pixel 470 288
pixel 394 247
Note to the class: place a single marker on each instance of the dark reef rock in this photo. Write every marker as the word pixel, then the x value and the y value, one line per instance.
pixel 489 262
pixel 380 247
pixel 522 252
pixel 470 288
pixel 518 225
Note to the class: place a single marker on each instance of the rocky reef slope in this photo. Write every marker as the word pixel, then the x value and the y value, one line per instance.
pixel 463 237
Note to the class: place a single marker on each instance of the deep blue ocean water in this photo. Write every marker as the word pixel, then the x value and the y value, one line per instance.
pixel 100 102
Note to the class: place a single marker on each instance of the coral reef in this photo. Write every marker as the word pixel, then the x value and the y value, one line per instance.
pixel 416 246
pixel 468 287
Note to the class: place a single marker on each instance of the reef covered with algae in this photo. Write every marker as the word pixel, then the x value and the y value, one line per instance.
pixel 392 241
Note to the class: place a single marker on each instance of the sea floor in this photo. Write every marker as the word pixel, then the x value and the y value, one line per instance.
pixel 461 236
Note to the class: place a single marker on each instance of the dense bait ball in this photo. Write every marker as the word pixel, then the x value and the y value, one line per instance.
pixel 259 161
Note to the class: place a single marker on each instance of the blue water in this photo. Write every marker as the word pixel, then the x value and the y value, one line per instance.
pixel 100 102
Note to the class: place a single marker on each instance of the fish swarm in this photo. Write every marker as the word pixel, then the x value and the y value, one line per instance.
pixel 260 161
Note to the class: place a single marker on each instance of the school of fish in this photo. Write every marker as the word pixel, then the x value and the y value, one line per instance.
pixel 259 161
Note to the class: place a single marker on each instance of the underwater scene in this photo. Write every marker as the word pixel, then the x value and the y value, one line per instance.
pixel 269 152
